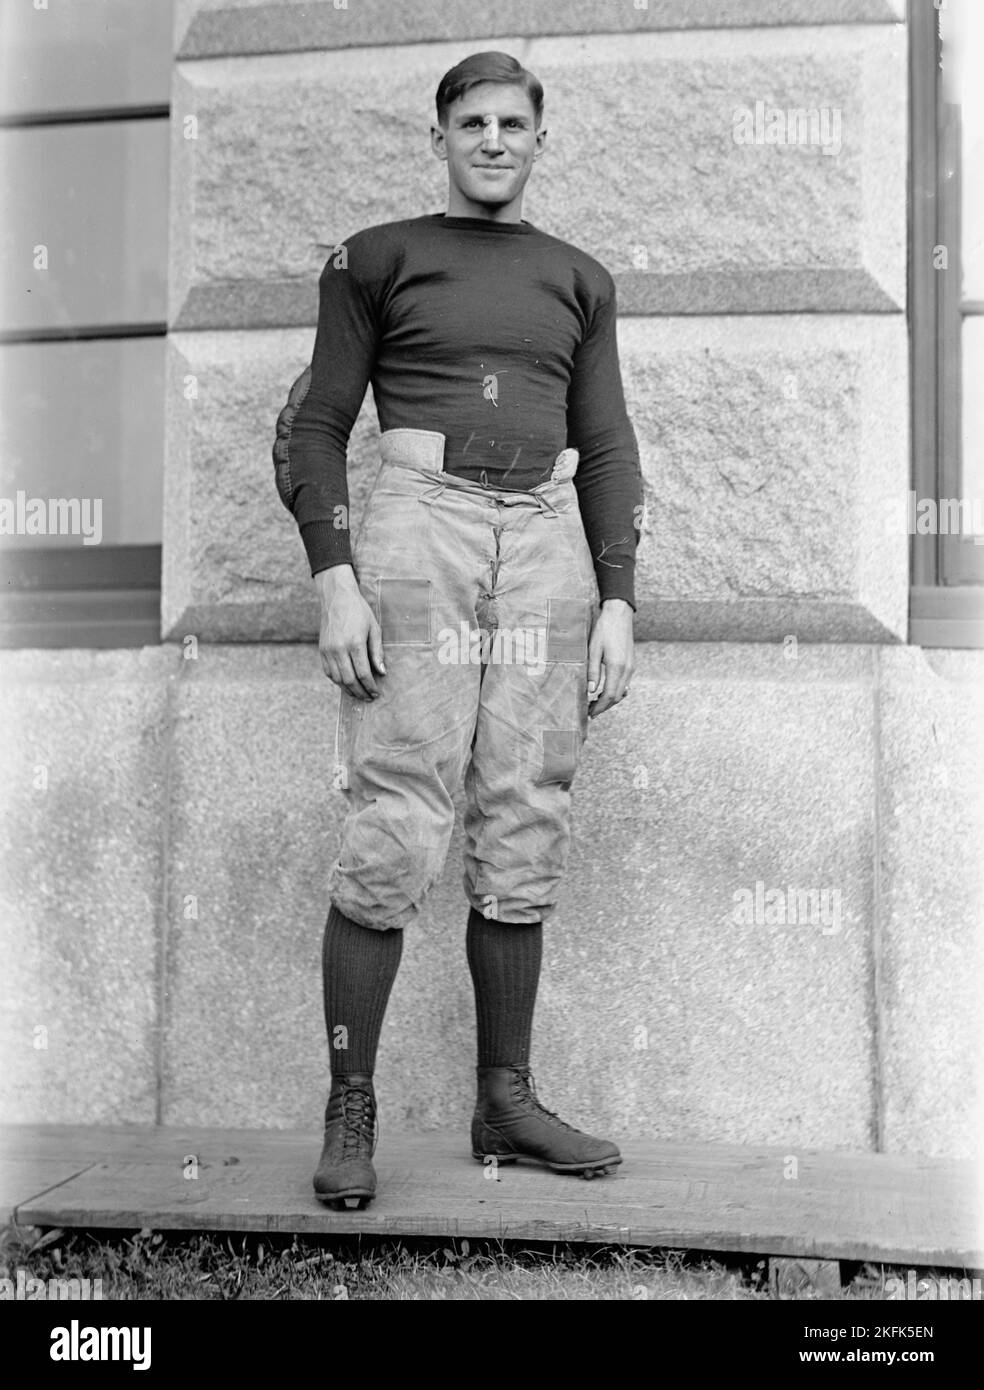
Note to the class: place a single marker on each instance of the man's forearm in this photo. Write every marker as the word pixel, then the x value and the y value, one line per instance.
pixel 328 545
pixel 327 582
pixel 610 508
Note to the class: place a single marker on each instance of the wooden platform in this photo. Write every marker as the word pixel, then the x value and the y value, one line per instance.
pixel 888 1209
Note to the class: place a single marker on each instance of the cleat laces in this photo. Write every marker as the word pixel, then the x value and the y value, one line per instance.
pixel 529 1093
pixel 359 1130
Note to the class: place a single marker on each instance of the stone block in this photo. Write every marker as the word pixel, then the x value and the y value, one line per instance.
pixel 83 850
pixel 773 451
pixel 233 563
pixel 272 164
pixel 775 455
pixel 930 947
pixel 714 785
pixel 252 818
pixel 660 1014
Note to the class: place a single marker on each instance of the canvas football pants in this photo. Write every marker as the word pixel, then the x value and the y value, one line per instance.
pixel 486 599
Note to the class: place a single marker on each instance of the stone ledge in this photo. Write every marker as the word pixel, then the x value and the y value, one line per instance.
pixel 250 304
pixel 207 28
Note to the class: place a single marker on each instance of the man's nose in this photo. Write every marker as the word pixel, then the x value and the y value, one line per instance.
pixel 490 133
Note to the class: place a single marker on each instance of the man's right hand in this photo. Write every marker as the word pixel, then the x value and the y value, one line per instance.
pixel 350 643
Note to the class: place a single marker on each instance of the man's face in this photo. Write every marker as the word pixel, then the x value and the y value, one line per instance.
pixel 490 145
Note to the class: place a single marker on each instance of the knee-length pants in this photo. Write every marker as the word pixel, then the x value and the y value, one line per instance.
pixel 486 599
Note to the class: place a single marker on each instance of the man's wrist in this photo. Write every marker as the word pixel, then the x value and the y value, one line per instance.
pixel 327 581
pixel 617 603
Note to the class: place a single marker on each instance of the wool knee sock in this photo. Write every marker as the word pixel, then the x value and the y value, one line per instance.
pixel 504 960
pixel 358 966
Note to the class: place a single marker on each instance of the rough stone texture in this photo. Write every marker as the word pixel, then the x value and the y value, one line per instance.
pixel 189 822
pixel 82 875
pixel 234 565
pixel 771 448
pixel 208 27
pixel 748 1029
pixel 931 971
pixel 253 819
pixel 642 169
pixel 658 1014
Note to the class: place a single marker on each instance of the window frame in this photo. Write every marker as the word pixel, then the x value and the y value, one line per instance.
pixel 946 596
pixel 60 596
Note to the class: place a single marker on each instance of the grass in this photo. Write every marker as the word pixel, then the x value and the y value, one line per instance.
pixel 175 1266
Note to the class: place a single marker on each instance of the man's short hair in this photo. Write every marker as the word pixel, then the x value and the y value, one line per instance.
pixel 486 67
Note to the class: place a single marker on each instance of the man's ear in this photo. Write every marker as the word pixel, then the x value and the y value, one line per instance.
pixel 438 141
pixel 541 140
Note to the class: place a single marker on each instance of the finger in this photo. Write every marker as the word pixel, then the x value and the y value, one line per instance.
pixel 348 677
pixel 596 675
pixel 602 701
pixel 619 683
pixel 328 665
pixel 376 648
pixel 360 665
pixel 616 679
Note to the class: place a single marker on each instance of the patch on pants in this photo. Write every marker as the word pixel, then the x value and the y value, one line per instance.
pixel 559 757
pixel 567 630
pixel 404 608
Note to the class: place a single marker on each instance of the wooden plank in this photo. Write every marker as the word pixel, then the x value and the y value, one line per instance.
pixel 22 1179
pixel 35 1158
pixel 96 1143
pixel 889 1208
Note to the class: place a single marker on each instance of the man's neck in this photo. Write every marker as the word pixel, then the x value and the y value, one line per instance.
pixel 464 207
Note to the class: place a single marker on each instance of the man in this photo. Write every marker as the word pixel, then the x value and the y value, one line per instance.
pixel 484 607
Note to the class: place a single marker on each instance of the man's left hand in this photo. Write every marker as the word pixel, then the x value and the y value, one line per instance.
pixel 611 656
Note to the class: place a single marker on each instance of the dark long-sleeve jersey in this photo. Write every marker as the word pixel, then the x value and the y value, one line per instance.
pixel 498 336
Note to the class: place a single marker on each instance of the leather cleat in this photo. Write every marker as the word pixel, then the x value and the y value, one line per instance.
pixel 345 1174
pixel 510 1123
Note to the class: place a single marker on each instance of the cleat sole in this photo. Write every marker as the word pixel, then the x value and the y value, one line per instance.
pixel 345 1201
pixel 600 1168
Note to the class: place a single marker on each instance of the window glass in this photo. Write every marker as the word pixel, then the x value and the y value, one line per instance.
pixel 84 231
pixel 71 55
pixel 972 410
pixel 962 34
pixel 83 423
